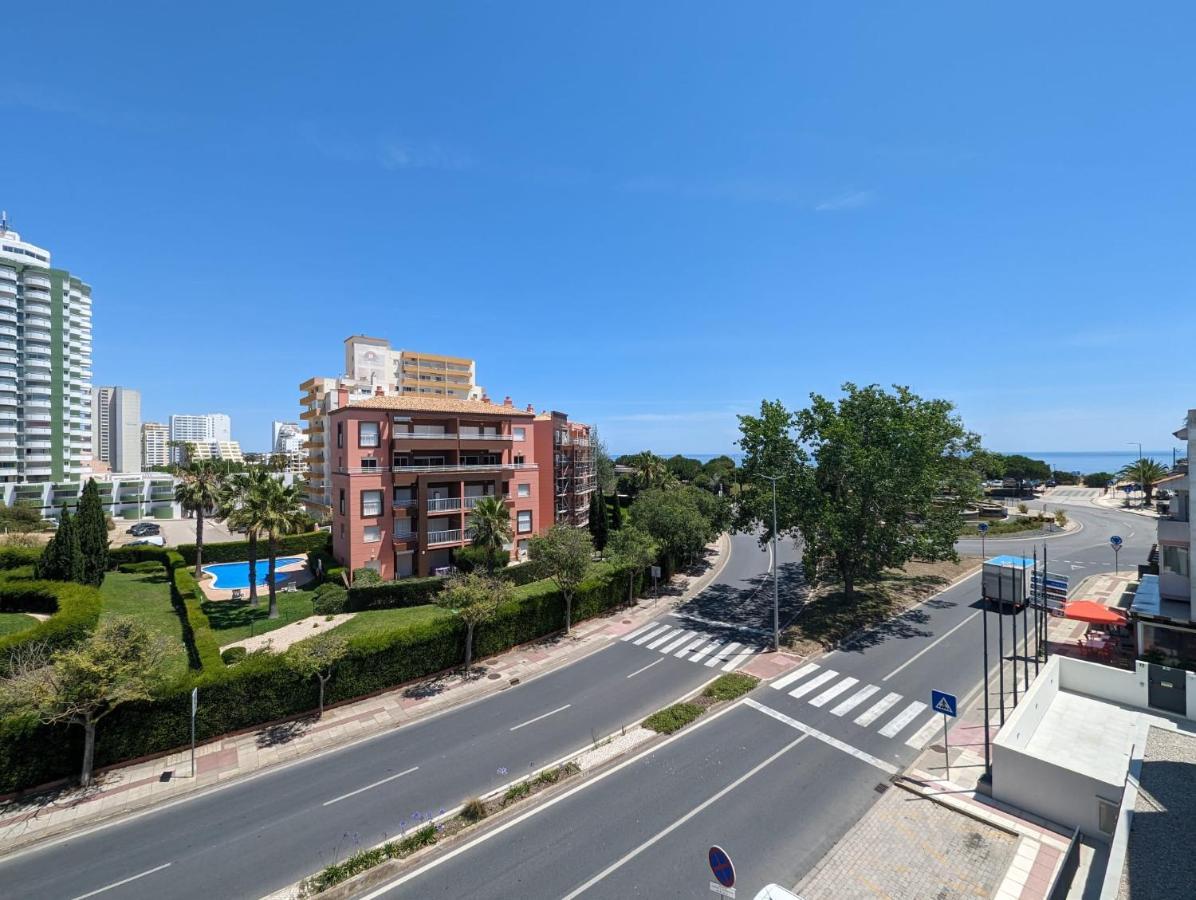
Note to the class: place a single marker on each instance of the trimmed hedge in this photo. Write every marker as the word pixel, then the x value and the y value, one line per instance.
pixel 120 556
pixel 203 652
pixel 262 688
pixel 238 551
pixel 14 557
pixel 74 609
pixel 394 594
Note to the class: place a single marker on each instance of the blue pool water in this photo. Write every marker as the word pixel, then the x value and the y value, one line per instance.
pixel 236 575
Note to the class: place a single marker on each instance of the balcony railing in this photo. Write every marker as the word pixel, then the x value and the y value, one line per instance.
pixel 450 436
pixel 454 467
pixel 451 536
pixel 405 504
pixel 404 534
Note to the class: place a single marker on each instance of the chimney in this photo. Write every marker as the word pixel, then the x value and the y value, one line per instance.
pixel 485 398
pixel 531 408
pixel 379 392
pixel 506 401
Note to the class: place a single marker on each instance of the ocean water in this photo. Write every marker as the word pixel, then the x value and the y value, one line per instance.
pixel 1082 461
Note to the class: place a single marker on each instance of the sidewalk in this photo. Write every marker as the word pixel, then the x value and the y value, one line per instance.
pixel 931 835
pixel 124 789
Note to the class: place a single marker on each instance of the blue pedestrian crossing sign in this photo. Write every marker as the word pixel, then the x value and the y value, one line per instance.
pixel 721 866
pixel 942 702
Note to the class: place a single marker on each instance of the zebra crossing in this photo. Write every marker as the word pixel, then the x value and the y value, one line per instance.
pixel 819 687
pixel 694 646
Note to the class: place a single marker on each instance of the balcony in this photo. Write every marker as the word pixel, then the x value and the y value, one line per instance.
pixel 1174 531
pixel 365 470
pixel 404 534
pixel 452 536
pixel 453 467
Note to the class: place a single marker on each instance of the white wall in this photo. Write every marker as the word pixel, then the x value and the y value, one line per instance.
pixel 1050 791
pixel 1104 682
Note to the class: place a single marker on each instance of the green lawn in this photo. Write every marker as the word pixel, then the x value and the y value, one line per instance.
pixel 11 623
pixel 235 620
pixel 146 597
pixel 389 619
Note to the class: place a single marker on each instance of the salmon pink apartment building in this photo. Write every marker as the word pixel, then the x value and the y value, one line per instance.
pixel 406 471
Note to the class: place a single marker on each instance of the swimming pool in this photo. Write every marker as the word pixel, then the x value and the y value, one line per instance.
pixel 236 575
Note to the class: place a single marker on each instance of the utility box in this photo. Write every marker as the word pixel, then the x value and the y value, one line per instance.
pixel 1007 579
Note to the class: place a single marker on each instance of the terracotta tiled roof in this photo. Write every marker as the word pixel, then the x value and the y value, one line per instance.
pixel 410 403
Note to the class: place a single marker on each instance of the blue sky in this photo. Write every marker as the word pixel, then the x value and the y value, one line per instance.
pixel 650 215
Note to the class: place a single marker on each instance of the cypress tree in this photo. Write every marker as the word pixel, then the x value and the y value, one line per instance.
pixel 616 513
pixel 92 527
pixel 62 560
pixel 598 523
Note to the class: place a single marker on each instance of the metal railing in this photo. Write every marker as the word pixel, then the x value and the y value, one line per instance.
pixel 455 467
pixel 404 535
pixel 450 536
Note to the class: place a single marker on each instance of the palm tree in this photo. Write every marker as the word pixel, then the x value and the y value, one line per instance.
pixel 1145 472
pixel 239 497
pixel 651 470
pixel 198 491
pixel 274 511
pixel 490 522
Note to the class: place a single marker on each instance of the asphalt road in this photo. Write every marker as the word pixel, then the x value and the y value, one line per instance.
pixel 775 780
pixel 258 835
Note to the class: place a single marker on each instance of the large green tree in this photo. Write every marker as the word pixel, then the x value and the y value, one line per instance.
pixel 62 558
pixel 634 550
pixel 563 554
pixel 771 450
pixel 616 512
pixel 684 468
pixel 120 662
pixel 599 526
pixel 674 519
pixel 198 492
pixel 1023 468
pixel 1145 472
pixel 890 478
pixel 92 526
pixel 490 527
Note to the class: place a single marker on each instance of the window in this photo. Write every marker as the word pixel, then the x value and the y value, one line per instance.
pixel 520 434
pixel 1176 560
pixel 367 434
pixel 371 503
pixel 524 490
pixel 1107 815
pixel 368 462
pixel 523 521
pixel 372 534
pixel 342 502
pixel 522 546
pixel 340 434
pixel 519 459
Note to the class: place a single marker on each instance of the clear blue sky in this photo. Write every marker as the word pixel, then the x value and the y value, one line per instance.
pixel 650 215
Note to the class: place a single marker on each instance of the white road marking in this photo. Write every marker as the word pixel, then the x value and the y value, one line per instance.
pixel 717 624
pixel 876 710
pixel 651 634
pixel 116 884
pixel 854 700
pixel 673 645
pixel 538 718
pixel 638 631
pixel 824 737
pixel 802 689
pixel 903 718
pixel 922 736
pixel 786 680
pixel 661 835
pixel 368 786
pixel 545 806
pixel 680 654
pixel 645 668
pixel 736 661
pixel 722 655
pixel 713 645
pixel 652 645
pixel 834 691
pixel 932 645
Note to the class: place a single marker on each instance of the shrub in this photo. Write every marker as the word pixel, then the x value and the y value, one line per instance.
pixel 1022 508
pixel 329 599
pixel 334 874
pixel 203 651
pixel 1099 479
pixel 147 567
pixel 14 557
pixel 394 594
pixel 238 551
pixel 474 810
pixel 118 556
pixel 366 577
pixel 518 574
pixel 517 791
pixel 549 776
pixel 673 718
pixel 233 655
pixel 730 686
pixel 74 611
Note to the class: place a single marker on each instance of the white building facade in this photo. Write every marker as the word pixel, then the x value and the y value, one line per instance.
pixel 45 366
pixel 116 428
pixel 197 429
pixel 155 438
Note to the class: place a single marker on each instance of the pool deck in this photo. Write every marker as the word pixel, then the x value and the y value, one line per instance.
pixel 296 573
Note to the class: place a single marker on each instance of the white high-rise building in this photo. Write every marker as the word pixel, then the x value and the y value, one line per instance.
pixel 45 366
pixel 155 438
pixel 116 428
pixel 285 437
pixel 197 429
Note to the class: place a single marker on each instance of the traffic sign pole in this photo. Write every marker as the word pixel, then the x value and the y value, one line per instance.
pixel 1115 543
pixel 948 705
pixel 946 749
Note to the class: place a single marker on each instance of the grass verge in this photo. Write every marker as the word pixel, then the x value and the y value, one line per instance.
pixel 673 718
pixel 730 686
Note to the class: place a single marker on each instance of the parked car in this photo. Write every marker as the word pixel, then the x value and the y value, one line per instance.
pixel 152 540
pixel 142 529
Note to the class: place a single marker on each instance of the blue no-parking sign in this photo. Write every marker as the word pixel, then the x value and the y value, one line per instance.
pixel 721 866
pixel 944 703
